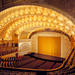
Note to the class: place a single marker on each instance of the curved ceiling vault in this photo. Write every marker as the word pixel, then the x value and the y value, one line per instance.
pixel 29 17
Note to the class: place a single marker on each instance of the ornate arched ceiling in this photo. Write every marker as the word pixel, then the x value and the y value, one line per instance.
pixel 28 17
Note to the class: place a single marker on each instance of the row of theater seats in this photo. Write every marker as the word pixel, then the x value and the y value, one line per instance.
pixel 28 61
pixel 8 62
pixel 8 50
pixel 7 47
pixel 6 72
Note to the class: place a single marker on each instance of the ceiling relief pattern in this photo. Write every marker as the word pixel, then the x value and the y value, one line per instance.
pixel 17 19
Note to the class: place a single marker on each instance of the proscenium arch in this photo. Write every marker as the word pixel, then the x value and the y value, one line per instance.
pixel 24 16
pixel 45 30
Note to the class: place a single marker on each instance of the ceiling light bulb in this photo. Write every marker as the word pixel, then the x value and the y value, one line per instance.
pixel 73 33
pixel 60 18
pixel 67 27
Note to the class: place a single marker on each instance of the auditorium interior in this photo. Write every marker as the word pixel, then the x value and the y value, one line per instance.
pixel 37 37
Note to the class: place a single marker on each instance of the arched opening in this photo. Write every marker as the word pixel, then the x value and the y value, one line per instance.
pixel 32 17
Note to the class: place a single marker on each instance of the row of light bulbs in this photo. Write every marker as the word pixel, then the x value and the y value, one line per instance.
pixel 37 24
pixel 33 16
pixel 43 19
pixel 31 9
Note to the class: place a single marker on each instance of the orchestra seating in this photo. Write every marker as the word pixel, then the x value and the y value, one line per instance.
pixel 32 61
pixel 38 64
pixel 7 47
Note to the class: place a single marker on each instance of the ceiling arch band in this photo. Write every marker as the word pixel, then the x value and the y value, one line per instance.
pixel 29 17
pixel 45 30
